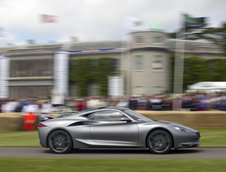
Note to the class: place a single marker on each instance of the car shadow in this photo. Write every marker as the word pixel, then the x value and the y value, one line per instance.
pixel 186 151
pixel 128 151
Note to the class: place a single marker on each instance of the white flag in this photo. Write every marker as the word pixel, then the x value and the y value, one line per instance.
pixel 134 24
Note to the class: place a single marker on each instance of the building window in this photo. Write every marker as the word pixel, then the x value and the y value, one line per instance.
pixel 157 63
pixel 30 91
pixel 158 39
pixel 139 39
pixel 139 62
pixel 28 68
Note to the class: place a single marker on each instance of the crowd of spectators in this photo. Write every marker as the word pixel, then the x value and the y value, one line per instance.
pixel 166 102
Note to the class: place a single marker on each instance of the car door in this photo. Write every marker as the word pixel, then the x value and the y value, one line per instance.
pixel 113 128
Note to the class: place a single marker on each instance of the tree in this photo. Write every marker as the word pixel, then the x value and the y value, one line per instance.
pixel 216 35
pixel 195 70
pixel 82 72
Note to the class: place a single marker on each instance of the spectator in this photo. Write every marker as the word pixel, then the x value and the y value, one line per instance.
pixel 31 108
pixel 156 104
pixel 133 103
pixel 221 105
pixel 46 108
pixel 167 104
pixel 9 106
pixel 141 104
pixel 80 105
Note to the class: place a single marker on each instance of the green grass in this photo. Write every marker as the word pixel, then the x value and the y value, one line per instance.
pixel 213 138
pixel 20 138
pixel 210 138
pixel 108 165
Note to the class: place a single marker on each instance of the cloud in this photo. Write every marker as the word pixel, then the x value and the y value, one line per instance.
pixel 6 38
pixel 95 20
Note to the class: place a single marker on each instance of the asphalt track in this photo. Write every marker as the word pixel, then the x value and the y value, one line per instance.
pixel 194 153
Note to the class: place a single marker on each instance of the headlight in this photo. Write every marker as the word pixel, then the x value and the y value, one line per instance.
pixel 181 129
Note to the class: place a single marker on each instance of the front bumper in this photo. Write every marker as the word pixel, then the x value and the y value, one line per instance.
pixel 188 140
pixel 188 145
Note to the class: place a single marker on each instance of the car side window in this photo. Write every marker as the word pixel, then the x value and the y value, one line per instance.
pixel 107 115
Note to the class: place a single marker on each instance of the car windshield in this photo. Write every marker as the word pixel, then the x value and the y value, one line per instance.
pixel 76 114
pixel 136 115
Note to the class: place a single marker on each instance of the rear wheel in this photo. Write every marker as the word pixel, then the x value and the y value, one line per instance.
pixel 159 141
pixel 60 141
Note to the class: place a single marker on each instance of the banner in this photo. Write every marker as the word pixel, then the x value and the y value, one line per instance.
pixel 61 73
pixel 115 86
pixel 4 74
pixel 98 50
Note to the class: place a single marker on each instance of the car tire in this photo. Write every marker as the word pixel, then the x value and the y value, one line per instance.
pixel 159 141
pixel 60 142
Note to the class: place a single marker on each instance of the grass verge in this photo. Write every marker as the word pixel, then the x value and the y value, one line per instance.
pixel 209 138
pixel 83 165
pixel 213 138
pixel 19 138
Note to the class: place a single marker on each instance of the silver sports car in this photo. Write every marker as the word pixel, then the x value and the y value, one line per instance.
pixel 114 127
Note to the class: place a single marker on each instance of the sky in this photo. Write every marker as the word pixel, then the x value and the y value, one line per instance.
pixel 96 20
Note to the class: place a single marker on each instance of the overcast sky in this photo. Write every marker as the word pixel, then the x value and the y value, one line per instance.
pixel 95 20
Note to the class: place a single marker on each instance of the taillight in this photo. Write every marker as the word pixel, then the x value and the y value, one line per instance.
pixel 41 125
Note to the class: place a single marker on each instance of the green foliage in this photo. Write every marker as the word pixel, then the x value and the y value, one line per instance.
pixel 172 35
pixel 216 35
pixel 197 70
pixel 87 70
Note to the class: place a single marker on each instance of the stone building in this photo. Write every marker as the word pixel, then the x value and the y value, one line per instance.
pixel 143 60
pixel 30 70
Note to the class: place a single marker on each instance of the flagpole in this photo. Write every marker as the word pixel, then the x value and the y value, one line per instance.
pixel 179 67
pixel 125 53
pixel 122 61
pixel 129 68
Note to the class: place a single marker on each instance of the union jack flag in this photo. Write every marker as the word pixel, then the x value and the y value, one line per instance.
pixel 45 18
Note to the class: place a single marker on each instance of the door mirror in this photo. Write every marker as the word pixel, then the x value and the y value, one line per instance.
pixel 126 120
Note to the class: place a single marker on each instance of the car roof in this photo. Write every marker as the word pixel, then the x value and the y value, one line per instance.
pixel 101 108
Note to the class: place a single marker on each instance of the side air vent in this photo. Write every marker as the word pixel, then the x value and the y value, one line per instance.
pixel 77 124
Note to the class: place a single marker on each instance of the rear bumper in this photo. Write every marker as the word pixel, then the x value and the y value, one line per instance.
pixel 43 134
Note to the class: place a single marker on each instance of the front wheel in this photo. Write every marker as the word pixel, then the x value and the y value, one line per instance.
pixel 60 142
pixel 159 141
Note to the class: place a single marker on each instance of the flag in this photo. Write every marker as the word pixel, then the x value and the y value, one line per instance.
pixel 45 18
pixel 134 24
pixel 194 22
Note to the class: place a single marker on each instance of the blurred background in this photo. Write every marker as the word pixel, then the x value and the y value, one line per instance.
pixel 145 55
pixel 165 58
